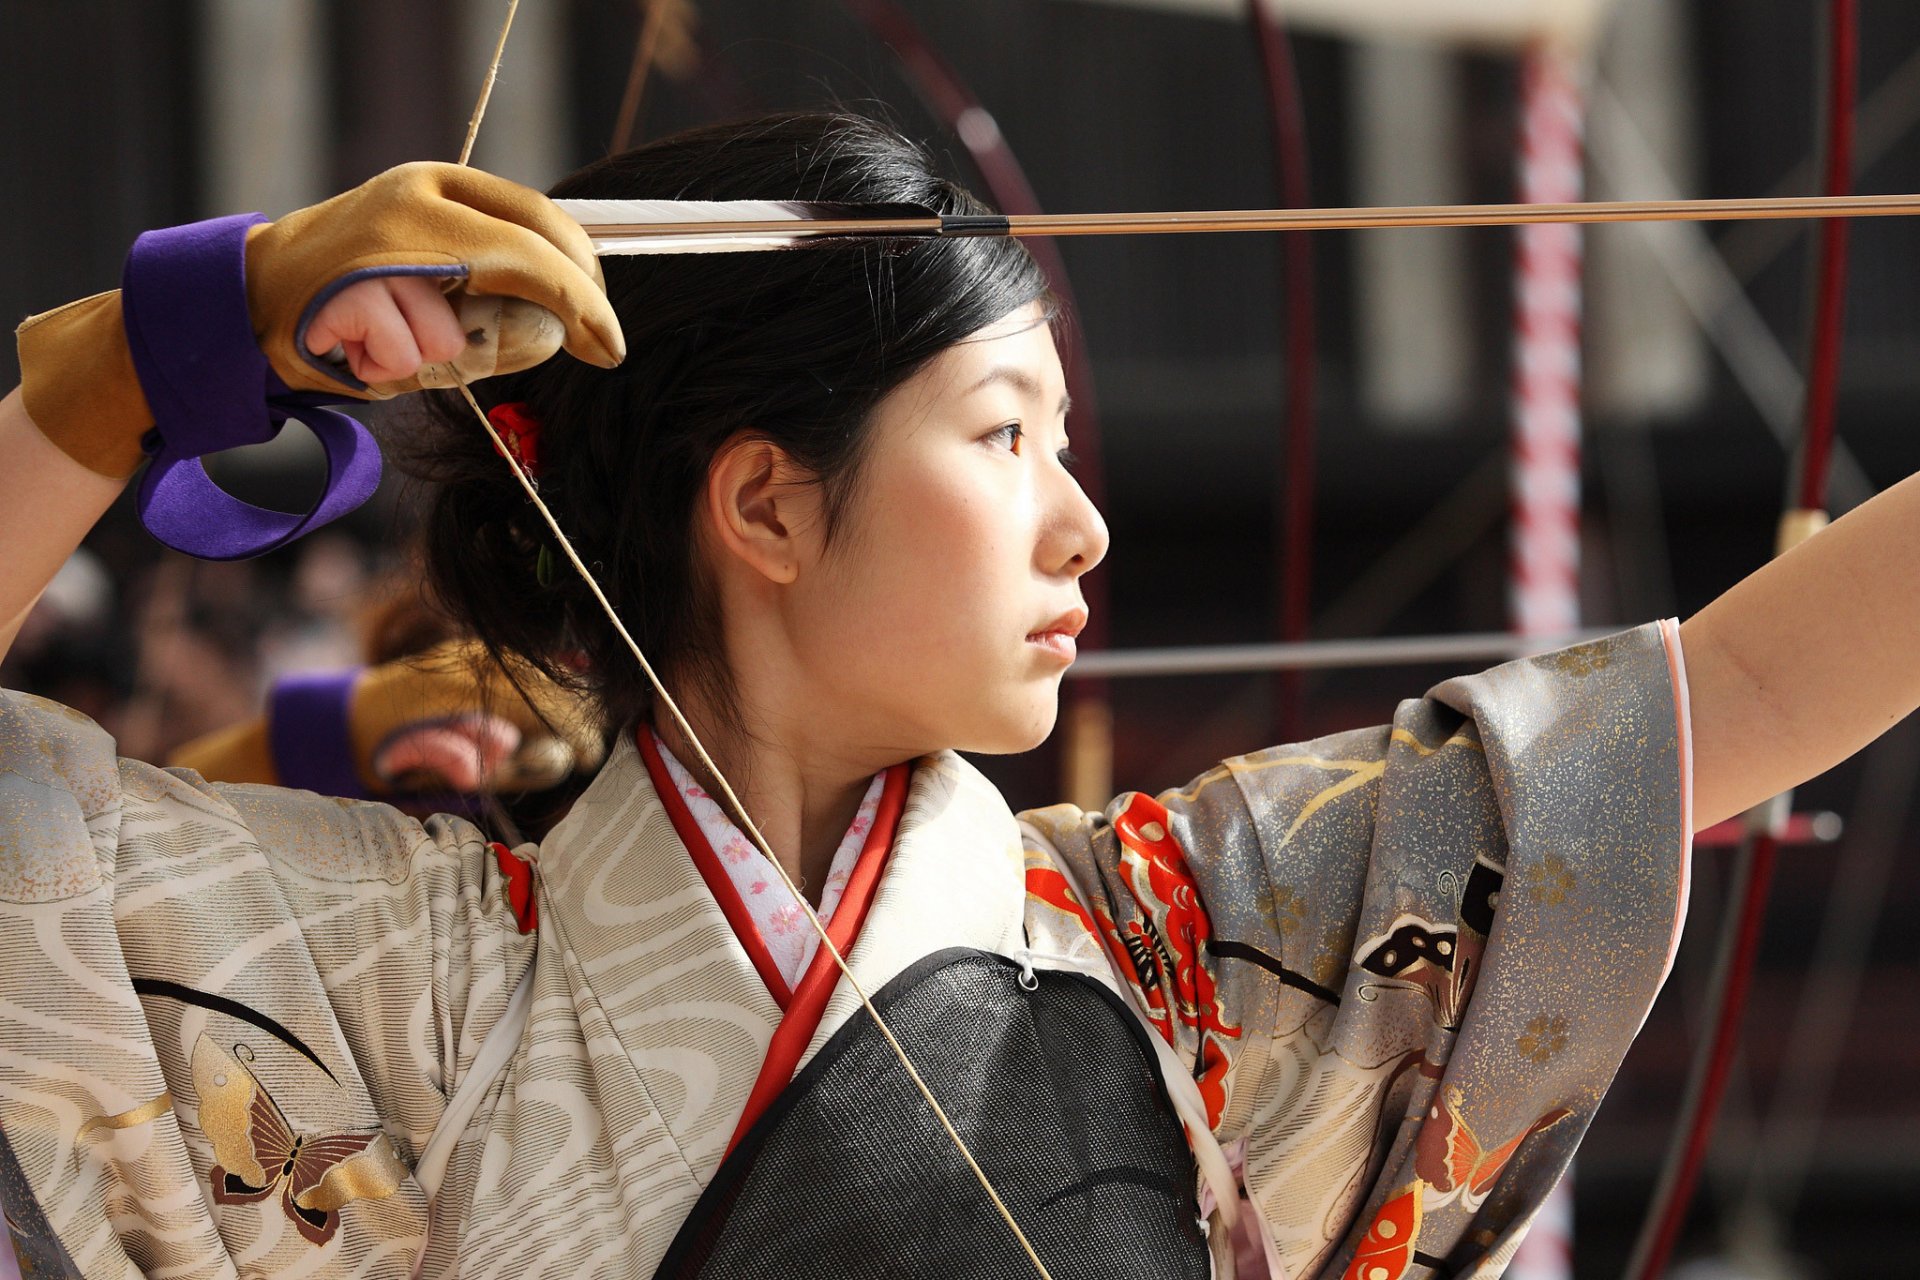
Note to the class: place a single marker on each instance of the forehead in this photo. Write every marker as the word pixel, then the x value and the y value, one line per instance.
pixel 1015 352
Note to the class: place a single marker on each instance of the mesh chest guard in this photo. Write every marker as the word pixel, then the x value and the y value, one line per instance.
pixel 1053 1089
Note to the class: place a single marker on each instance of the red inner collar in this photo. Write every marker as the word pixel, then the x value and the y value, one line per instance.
pixel 804 1005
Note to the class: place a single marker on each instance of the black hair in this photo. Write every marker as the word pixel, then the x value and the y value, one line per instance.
pixel 794 346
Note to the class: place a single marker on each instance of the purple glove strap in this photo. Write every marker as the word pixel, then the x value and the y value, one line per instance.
pixel 184 299
pixel 308 734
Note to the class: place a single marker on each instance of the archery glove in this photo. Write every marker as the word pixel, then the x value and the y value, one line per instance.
pixel 523 279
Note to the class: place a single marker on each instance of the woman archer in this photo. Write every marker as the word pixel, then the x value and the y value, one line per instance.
pixel 248 1030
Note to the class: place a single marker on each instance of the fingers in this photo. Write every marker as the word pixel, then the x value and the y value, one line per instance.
pixel 539 253
pixel 462 754
pixel 527 248
pixel 384 349
pixel 505 240
pixel 388 327
pixel 430 318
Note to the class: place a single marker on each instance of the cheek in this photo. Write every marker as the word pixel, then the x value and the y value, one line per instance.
pixel 934 575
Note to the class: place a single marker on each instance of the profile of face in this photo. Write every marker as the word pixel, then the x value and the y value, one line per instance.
pixel 942 611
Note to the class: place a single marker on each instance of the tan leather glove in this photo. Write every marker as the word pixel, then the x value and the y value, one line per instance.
pixel 528 267
pixel 396 710
pixel 525 273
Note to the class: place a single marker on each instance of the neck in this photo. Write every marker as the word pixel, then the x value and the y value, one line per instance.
pixel 802 801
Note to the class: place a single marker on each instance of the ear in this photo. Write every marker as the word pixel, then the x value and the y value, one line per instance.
pixel 758 506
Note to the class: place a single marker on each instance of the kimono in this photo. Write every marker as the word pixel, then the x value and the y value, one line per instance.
pixel 1382 980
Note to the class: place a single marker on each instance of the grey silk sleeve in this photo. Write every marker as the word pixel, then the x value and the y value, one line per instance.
pixel 1404 963
pixel 197 977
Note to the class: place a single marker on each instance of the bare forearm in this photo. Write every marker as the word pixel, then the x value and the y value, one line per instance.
pixel 1807 660
pixel 48 502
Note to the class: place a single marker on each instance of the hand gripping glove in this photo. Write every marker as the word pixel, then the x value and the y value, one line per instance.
pixel 204 342
pixel 528 281
pixel 371 731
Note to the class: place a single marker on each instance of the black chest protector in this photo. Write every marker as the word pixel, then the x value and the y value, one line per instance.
pixel 1052 1086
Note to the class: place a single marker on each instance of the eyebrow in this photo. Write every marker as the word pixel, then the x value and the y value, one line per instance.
pixel 1020 380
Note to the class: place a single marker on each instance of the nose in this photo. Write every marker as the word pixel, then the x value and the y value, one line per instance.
pixel 1074 537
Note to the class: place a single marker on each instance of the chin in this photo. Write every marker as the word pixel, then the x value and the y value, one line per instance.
pixel 1022 730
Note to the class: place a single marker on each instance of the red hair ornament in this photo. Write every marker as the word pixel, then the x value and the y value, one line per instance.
pixel 519 430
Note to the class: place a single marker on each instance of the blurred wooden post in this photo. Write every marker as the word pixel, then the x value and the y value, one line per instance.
pixel 1086 752
pixel 1646 358
pixel 395 97
pixel 266 113
pixel 1415 337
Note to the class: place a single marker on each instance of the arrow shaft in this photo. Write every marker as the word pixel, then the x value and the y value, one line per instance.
pixel 1333 219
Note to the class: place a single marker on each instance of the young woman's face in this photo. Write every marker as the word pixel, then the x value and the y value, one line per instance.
pixel 943 614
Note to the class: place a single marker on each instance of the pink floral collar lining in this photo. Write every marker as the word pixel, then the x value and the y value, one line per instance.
pixel 775 913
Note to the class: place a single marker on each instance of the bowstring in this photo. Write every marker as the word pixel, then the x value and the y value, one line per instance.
pixel 646 47
pixel 692 739
pixel 486 86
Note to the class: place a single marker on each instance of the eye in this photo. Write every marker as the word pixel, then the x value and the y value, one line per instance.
pixel 1068 459
pixel 1008 434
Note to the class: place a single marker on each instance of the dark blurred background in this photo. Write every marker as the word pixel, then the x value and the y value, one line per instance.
pixel 125 115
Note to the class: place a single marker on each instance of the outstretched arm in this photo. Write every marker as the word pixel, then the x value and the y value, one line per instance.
pixel 1807 660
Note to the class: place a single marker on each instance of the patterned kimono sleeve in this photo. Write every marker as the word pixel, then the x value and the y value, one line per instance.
pixel 1402 964
pixel 231 1016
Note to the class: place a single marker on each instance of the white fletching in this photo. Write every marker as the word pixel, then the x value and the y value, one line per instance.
pixel 598 213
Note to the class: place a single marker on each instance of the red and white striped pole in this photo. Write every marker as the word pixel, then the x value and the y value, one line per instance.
pixel 1544 596
pixel 1547 1252
pixel 1544 542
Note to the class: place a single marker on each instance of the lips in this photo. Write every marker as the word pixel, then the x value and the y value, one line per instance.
pixel 1069 624
pixel 1058 636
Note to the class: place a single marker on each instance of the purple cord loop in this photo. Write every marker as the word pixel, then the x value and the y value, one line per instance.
pixel 184 300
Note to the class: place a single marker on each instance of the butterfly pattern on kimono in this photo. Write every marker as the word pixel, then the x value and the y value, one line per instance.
pixel 1449 1157
pixel 1386 1251
pixel 259 1153
pixel 1449 1164
pixel 1590 770
pixel 1442 961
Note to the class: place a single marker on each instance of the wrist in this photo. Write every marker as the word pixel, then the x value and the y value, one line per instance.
pixel 194 352
pixel 79 388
